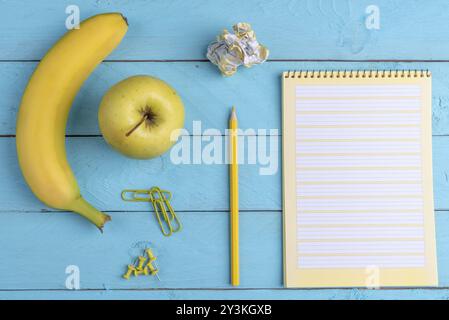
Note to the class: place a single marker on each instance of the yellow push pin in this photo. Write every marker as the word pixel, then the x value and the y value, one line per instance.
pixel 130 270
pixel 151 257
pixel 138 272
pixel 141 263
pixel 150 254
pixel 153 270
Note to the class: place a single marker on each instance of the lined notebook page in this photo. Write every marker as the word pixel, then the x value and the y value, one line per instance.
pixel 360 186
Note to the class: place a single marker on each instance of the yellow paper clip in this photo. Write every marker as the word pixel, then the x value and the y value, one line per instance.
pixel 160 200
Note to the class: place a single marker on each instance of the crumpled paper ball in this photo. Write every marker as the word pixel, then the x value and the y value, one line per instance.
pixel 232 50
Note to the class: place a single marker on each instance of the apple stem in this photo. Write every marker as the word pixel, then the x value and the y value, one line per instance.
pixel 145 116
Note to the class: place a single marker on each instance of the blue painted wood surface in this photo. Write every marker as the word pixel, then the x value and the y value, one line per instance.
pixel 292 29
pixel 207 95
pixel 42 245
pixel 40 242
pixel 102 174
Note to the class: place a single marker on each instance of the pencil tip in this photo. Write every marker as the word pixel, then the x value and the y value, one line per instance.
pixel 233 114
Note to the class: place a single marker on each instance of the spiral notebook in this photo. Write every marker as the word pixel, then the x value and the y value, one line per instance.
pixel 357 179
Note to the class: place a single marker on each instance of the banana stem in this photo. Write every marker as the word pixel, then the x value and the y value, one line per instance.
pixel 85 209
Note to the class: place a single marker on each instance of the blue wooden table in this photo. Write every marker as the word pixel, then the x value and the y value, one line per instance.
pixel 168 39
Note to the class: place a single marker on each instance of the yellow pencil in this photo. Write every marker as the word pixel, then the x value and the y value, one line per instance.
pixel 234 200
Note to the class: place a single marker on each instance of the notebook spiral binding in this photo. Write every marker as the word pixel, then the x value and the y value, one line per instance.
pixel 358 74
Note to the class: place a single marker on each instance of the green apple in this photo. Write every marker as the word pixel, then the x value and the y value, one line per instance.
pixel 141 116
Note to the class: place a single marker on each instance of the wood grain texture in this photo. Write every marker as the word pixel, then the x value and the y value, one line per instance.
pixel 206 94
pixel 196 257
pixel 233 294
pixel 292 29
pixel 103 173
pixel 38 245
pixel 41 245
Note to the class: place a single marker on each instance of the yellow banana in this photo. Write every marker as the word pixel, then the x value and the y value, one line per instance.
pixel 46 102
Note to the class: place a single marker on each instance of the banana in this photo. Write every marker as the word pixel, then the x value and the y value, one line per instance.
pixel 45 106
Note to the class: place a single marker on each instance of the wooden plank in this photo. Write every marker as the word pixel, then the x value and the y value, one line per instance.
pixel 38 247
pixel 207 96
pixel 196 257
pixel 292 29
pixel 230 294
pixel 103 173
